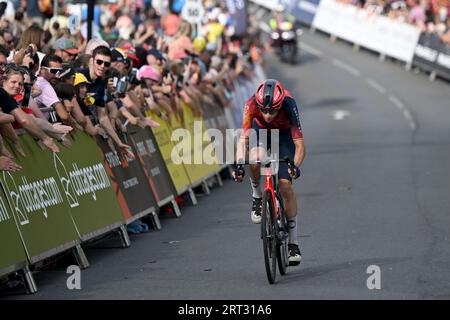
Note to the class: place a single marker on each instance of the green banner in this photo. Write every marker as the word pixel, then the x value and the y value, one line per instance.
pixel 91 198
pixel 12 255
pixel 38 201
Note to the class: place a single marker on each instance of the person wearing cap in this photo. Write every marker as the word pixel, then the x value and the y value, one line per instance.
pixel 155 58
pixel 48 77
pixel 156 94
pixel 120 61
pixel 84 101
pixel 66 49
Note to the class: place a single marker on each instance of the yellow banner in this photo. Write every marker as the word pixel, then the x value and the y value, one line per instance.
pixel 163 135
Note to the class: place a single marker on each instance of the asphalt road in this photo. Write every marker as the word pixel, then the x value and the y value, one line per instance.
pixel 374 191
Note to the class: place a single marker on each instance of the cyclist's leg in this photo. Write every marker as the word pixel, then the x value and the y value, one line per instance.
pixel 257 152
pixel 287 149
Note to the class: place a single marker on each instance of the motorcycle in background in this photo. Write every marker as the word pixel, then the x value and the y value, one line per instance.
pixel 285 41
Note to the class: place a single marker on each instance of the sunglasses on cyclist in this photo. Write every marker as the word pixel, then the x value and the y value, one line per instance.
pixel 100 62
pixel 53 70
pixel 268 111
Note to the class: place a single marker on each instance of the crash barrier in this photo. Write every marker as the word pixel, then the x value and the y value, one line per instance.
pixel 387 37
pixel 58 201
pixel 432 55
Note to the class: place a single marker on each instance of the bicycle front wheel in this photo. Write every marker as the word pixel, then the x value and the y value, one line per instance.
pixel 269 236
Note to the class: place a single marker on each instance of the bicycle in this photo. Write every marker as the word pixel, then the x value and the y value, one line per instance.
pixel 274 226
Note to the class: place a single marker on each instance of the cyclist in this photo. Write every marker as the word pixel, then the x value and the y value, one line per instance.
pixel 273 108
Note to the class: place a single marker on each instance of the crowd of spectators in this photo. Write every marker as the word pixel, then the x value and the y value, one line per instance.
pixel 431 16
pixel 143 56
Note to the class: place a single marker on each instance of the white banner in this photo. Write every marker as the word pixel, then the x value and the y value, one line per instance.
pixel 269 4
pixel 378 33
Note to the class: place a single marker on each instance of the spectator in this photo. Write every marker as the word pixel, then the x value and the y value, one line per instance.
pixel 12 82
pixel 65 49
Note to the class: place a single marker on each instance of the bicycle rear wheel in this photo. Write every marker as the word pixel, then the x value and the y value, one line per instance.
pixel 282 247
pixel 269 231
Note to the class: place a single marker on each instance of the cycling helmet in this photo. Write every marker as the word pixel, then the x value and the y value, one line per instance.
pixel 269 95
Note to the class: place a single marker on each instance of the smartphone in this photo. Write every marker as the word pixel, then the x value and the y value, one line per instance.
pixel 26 95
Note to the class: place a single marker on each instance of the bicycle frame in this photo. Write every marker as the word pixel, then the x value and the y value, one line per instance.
pixel 271 184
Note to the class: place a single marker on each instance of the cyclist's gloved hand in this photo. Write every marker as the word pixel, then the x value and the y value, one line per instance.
pixel 238 173
pixel 294 171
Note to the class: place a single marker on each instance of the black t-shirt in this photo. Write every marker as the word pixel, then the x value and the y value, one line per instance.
pixel 7 103
pixel 97 88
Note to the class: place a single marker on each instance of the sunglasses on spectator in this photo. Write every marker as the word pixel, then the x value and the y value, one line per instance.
pixel 268 111
pixel 53 70
pixel 100 62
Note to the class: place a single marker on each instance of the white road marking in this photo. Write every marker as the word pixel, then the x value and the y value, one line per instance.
pixel 376 86
pixel 310 49
pixel 396 101
pixel 340 114
pixel 344 66
pixel 408 116
pixel 406 113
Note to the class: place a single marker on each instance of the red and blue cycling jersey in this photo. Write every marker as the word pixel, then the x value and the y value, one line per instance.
pixel 287 118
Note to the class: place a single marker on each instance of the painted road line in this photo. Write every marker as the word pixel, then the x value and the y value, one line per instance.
pixel 376 86
pixel 346 67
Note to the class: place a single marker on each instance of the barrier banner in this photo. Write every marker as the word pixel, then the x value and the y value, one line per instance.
pixel 269 4
pixel 194 147
pixel 377 33
pixel 129 182
pixel 215 122
pixel 39 196
pixel 152 161
pixel 238 11
pixel 163 135
pixel 303 10
pixel 93 203
pixel 432 54
pixel 12 255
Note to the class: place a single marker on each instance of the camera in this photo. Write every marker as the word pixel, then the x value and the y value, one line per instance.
pixel 132 77
pixel 122 86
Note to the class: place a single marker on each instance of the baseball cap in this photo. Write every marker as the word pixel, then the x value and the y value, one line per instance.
pixel 149 72
pixel 67 71
pixel 118 55
pixel 156 53
pixel 79 79
pixel 66 45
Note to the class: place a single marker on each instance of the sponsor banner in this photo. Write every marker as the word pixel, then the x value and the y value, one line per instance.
pixel 432 54
pixel 377 33
pixel 40 198
pixel 238 11
pixel 303 10
pixel 193 147
pixel 152 161
pixel 269 4
pixel 129 182
pixel 11 248
pixel 163 137
pixel 90 195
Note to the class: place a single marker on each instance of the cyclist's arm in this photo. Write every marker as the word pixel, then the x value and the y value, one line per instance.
pixel 242 145
pixel 296 132
pixel 300 151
